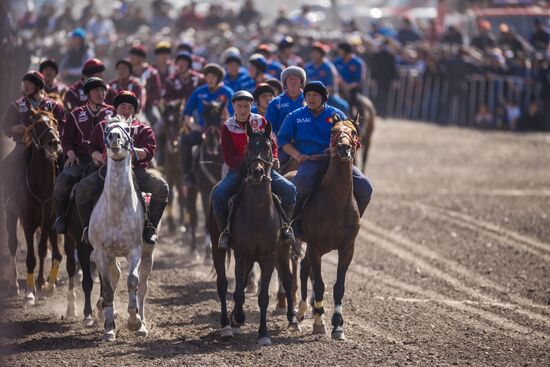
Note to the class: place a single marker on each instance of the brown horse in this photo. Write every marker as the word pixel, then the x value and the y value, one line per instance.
pixel 368 111
pixel 331 222
pixel 256 227
pixel 34 203
pixel 172 126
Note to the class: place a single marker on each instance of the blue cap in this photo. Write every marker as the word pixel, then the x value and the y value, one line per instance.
pixel 79 32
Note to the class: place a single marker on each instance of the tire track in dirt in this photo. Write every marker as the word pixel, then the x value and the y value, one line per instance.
pixel 408 256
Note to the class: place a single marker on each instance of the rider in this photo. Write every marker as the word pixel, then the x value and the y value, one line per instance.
pixel 50 69
pixel 75 142
pixel 76 96
pixel 236 76
pixel 257 68
pixel 276 85
pixel 286 56
pixel 150 80
pixel 17 119
pixel 214 90
pixel 234 142
pixel 263 94
pixel 88 190
pixel 163 64
pixel 321 69
pixel 124 81
pixel 183 82
pixel 352 71
pixel 306 132
pixel 274 67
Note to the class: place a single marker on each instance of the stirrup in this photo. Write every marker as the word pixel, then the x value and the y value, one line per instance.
pixel 60 224
pixel 85 237
pixel 224 240
pixel 150 235
pixel 287 234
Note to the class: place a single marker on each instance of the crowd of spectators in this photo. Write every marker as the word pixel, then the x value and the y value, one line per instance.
pixel 495 79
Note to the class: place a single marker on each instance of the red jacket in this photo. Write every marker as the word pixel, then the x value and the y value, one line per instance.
pixel 150 79
pixel 57 88
pixel 133 85
pixel 75 96
pixel 177 89
pixel 235 140
pixel 78 129
pixel 143 136
pixel 19 112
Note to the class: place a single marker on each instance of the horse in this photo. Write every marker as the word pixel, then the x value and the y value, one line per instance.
pixel 330 221
pixel 172 129
pixel 256 227
pixel 116 228
pixel 207 167
pixel 35 207
pixel 367 127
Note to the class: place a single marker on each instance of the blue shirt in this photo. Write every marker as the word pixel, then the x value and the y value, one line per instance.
pixel 310 134
pixel 275 68
pixel 352 71
pixel 280 107
pixel 202 93
pixel 242 82
pixel 324 73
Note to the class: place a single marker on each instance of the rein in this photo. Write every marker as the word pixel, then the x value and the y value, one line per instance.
pixel 267 174
pixel 202 163
pixel 129 145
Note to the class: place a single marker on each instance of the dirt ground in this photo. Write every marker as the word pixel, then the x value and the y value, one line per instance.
pixel 451 267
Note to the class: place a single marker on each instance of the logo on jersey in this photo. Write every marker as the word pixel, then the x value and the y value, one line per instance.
pixel 352 68
pixel 23 107
pixel 82 116
pixel 82 96
pixel 303 120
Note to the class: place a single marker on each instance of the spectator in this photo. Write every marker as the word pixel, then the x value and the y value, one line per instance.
pixel 87 12
pixel 248 13
pixel 483 117
pixel 532 120
pixel 540 38
pixel 384 72
pixel 100 26
pixel 77 54
pixel 453 37
pixel 513 114
pixel 508 40
pixel 287 57
pixel 283 19
pixel 161 15
pixel 407 34
pixel 65 20
pixel 458 69
pixel 486 39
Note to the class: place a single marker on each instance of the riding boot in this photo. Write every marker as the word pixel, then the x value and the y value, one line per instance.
pixel 84 214
pixel 61 206
pixel 225 236
pixel 296 222
pixel 152 220
pixel 287 234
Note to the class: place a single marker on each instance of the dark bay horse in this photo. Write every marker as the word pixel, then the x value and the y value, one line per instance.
pixel 366 127
pixel 331 222
pixel 255 225
pixel 34 200
pixel 172 130
pixel 207 167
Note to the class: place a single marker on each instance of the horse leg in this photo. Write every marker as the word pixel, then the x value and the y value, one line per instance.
pixel 305 269
pixel 193 217
pixel 281 307
pixel 266 268
pixel 285 278
pixel 295 277
pixel 145 268
pixel 242 268
pixel 71 270
pixel 56 261
pixel 84 252
pixel 11 226
pixel 205 199
pixel 31 264
pixel 169 209
pixel 252 281
pixel 319 289
pixel 344 259
pixel 134 319
pixel 107 294
pixel 218 257
pixel 42 253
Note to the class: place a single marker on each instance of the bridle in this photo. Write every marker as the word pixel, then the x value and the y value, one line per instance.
pixel 35 136
pixel 349 131
pixel 129 143
pixel 258 158
pixel 212 129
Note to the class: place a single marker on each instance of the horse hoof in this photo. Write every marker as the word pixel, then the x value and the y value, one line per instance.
pixel 280 310
pixel 88 322
pixel 302 310
pixel 142 332
pixel 49 289
pixel 30 300
pixel 237 330
pixel 338 334
pixel 319 329
pixel 264 341
pixel 134 321
pixel 294 326
pixel 227 333
pixel 109 336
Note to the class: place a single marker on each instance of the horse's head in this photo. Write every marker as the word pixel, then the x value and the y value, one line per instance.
pixel 172 125
pixel 118 141
pixel 213 111
pixel 344 138
pixel 259 156
pixel 212 114
pixel 43 134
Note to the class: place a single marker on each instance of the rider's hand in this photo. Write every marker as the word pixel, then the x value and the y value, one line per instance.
pixel 18 129
pixel 276 164
pixel 302 158
pixel 71 159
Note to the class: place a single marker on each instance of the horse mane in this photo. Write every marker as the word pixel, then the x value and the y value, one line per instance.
pixel 27 135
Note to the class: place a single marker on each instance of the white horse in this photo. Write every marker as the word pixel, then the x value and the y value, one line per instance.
pixel 115 230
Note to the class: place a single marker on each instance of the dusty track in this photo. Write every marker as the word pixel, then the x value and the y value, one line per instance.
pixel 452 267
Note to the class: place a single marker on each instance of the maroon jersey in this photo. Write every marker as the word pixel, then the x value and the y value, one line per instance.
pixel 166 73
pixel 132 84
pixel 19 112
pixel 79 126
pixel 75 96
pixel 56 88
pixel 150 79
pixel 176 88
pixel 143 136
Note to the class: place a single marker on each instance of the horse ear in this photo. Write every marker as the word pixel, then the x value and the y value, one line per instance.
pixel 356 121
pixel 267 130
pixel 335 119
pixel 249 130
